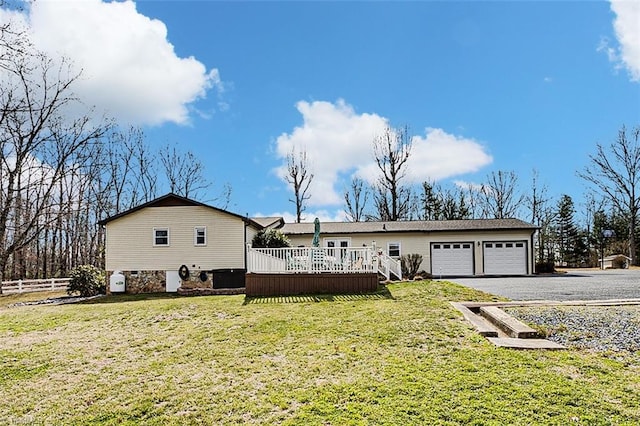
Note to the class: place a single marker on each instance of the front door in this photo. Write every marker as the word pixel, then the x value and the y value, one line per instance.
pixel 173 281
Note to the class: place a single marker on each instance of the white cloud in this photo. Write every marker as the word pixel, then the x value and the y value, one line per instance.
pixel 627 29
pixel 130 68
pixel 438 155
pixel 338 142
pixel 468 186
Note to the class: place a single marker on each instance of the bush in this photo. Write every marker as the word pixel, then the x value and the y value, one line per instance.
pixel 87 280
pixel 422 275
pixel 545 268
pixel 410 264
pixel 620 262
pixel 270 238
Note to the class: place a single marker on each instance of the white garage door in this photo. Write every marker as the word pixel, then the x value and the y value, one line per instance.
pixel 451 259
pixel 505 258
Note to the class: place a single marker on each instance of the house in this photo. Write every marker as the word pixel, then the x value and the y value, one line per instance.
pixel 449 248
pixel 173 242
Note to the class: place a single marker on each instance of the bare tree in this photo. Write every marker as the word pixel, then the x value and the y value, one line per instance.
pixel 184 172
pixel 543 216
pixel 14 41
pixel 500 196
pixel 391 152
pixel 299 177
pixel 224 199
pixel 356 198
pixel 41 145
pixel 614 171
pixel 537 199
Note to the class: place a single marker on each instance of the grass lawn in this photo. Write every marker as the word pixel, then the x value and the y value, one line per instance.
pixel 403 356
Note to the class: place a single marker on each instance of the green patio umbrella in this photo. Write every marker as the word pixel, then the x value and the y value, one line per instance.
pixel 316 234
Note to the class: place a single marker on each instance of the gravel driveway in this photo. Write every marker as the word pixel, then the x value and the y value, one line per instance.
pixel 578 285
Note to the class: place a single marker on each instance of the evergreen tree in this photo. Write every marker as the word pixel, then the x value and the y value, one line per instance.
pixel 431 205
pixel 443 204
pixel 567 236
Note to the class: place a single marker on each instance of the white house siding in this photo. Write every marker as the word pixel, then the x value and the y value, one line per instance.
pixel 251 232
pixel 420 242
pixel 129 242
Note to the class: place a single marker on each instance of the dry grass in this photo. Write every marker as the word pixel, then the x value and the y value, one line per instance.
pixel 400 357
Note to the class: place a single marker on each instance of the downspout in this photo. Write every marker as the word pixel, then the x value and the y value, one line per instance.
pixel 244 246
pixel 532 256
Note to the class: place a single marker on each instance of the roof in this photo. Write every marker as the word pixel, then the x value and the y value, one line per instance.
pixel 408 226
pixel 615 256
pixel 174 200
pixel 267 222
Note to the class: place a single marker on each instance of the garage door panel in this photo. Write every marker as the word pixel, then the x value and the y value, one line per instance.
pixel 452 259
pixel 505 258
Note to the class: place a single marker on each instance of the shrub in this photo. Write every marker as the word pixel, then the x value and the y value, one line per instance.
pixel 410 264
pixel 619 262
pixel 422 275
pixel 545 268
pixel 87 280
pixel 270 238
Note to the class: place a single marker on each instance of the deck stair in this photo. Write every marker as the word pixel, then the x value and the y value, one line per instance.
pixel 389 267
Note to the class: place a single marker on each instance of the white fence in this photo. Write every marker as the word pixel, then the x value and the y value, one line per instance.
pixel 26 286
pixel 310 260
pixel 337 260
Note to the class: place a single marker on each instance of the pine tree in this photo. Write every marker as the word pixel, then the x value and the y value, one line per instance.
pixel 568 242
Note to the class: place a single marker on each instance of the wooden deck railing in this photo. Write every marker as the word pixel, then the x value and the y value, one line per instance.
pixel 25 286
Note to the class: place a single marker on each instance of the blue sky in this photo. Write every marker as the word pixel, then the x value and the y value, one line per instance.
pixel 483 86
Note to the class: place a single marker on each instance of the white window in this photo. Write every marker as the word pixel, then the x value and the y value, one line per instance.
pixel 200 236
pixel 393 249
pixel 160 236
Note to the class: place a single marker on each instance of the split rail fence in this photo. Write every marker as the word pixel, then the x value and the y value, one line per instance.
pixel 26 286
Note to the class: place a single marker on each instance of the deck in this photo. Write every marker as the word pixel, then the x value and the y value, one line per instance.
pixel 303 283
pixel 316 270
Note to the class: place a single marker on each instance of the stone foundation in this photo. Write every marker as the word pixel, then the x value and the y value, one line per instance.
pixel 194 281
pixel 142 282
pixel 156 281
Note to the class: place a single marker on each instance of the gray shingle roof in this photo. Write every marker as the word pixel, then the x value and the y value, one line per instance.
pixel 268 221
pixel 408 226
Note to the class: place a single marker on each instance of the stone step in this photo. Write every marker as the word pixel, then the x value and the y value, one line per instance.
pixel 511 326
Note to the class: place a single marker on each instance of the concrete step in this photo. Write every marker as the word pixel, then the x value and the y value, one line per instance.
pixel 511 326
pixel 482 326
pixel 514 343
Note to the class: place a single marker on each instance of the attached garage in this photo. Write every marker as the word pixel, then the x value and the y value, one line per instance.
pixel 449 248
pixel 452 259
pixel 505 258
